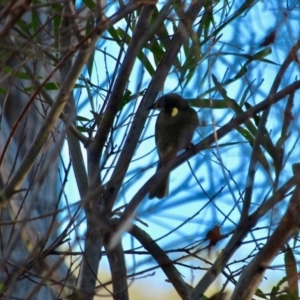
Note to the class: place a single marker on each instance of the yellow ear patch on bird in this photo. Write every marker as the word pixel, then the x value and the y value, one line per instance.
pixel 174 112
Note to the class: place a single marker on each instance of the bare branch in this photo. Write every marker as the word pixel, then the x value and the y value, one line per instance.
pixel 204 144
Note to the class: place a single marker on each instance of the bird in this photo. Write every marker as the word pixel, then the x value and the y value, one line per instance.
pixel 174 130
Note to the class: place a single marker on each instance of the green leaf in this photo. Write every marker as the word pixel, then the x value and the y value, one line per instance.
pixel 57 8
pixel 124 36
pixel 231 103
pixel 193 56
pixel 190 75
pixel 2 90
pixel 118 35
pixel 281 282
pixel 260 294
pixel 255 117
pixel 125 99
pixel 82 128
pixel 35 22
pixel 156 50
pixel 287 296
pixel 263 53
pixel 49 86
pixel 291 271
pixel 244 96
pixel 274 292
pixel 90 63
pixel 22 25
pixel 82 119
pixel 208 18
pixel 163 36
pixel 79 86
pixel 220 89
pixel 114 34
pixel 89 25
pixel 90 4
pixel 246 134
pixel 287 119
pixel 90 95
pixel 146 62
pixel 52 86
pixel 261 158
pixel 13 72
pixel 267 143
pixel 295 238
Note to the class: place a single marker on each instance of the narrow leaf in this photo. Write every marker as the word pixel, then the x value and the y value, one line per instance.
pixel 291 271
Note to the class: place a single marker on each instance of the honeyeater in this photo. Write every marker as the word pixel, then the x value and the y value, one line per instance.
pixel 174 129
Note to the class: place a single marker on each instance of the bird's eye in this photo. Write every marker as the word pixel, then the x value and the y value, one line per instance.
pixel 174 112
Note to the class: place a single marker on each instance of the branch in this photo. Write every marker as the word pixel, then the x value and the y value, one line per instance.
pixel 155 86
pixel 252 275
pixel 116 255
pixel 67 22
pixel 261 132
pixel 237 239
pixel 162 259
pixel 204 144
pixel 94 208
pixel 86 47
pixel 11 14
pixel 118 270
pixel 115 98
pixel 70 126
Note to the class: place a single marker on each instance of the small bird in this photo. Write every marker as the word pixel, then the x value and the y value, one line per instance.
pixel 174 129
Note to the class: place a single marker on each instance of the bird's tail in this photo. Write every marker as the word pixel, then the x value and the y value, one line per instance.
pixel 162 188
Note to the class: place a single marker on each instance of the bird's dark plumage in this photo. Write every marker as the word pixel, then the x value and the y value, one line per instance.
pixel 174 131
